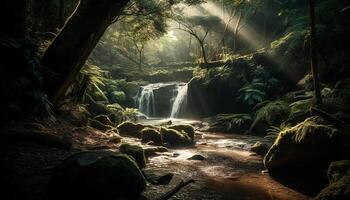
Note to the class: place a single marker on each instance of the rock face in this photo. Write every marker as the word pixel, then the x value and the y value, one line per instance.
pixel 339 182
pixel 310 146
pixel 96 175
pixel 130 129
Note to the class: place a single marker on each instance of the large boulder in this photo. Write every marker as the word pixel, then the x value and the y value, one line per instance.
pixel 259 148
pixel 151 135
pixel 188 129
pixel 272 114
pixel 136 152
pixel 339 182
pixel 97 175
pixel 130 129
pixel 310 146
pixel 175 138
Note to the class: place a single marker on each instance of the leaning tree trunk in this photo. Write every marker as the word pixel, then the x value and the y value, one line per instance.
pixel 317 97
pixel 69 51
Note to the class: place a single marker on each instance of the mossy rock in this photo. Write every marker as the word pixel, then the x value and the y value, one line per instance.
pixel 98 125
pixel 136 152
pixel 339 178
pixel 175 138
pixel 96 108
pixel 95 175
pixel 272 114
pixel 152 151
pixel 186 128
pixel 130 129
pixel 310 146
pixel 151 134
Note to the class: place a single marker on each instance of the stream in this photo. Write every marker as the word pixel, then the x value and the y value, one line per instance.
pixel 229 171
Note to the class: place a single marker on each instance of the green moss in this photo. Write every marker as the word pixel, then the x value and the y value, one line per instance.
pixel 130 129
pixel 117 97
pixel 186 128
pixel 136 152
pixel 151 134
pixel 312 143
pixel 230 122
pixel 175 138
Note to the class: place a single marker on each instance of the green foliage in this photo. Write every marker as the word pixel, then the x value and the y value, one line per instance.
pixel 131 114
pixel 274 131
pixel 274 113
pixel 88 82
pixel 117 97
pixel 252 93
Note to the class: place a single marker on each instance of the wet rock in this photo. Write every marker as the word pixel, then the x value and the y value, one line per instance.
pixel 157 178
pixel 310 146
pixel 115 139
pixel 339 178
pixel 94 175
pixel 153 151
pixel 186 128
pixel 151 135
pixel 136 152
pixel 196 157
pixel 259 148
pixel 175 138
pixel 130 129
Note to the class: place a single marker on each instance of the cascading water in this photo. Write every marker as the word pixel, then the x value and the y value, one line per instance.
pixel 162 99
pixel 180 102
pixel 146 101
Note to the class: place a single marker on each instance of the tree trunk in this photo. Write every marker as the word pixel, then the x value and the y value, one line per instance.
pixel 61 8
pixel 69 51
pixel 314 62
pixel 203 53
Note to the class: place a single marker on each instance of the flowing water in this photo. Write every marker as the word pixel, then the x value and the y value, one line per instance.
pixel 155 99
pixel 229 172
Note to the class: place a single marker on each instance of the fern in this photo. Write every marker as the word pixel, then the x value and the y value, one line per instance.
pixel 274 131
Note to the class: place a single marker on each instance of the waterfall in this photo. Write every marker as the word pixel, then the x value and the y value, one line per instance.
pixel 180 101
pixel 146 101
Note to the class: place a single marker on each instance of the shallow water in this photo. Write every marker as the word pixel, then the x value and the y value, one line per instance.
pixel 229 172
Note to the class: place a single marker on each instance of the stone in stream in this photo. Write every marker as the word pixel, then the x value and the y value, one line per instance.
pixel 94 175
pixel 196 157
pixel 157 178
pixel 188 129
pixel 175 138
pixel 151 135
pixel 259 148
pixel 135 152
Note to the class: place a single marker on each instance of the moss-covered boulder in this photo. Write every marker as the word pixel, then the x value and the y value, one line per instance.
pixel 136 152
pixel 272 114
pixel 259 148
pixel 186 128
pixel 310 146
pixel 175 138
pixel 95 175
pixel 151 135
pixel 130 129
pixel 339 182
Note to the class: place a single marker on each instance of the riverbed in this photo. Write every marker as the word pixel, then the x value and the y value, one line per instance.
pixel 228 172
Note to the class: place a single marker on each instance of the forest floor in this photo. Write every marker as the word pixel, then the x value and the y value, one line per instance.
pixel 229 170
